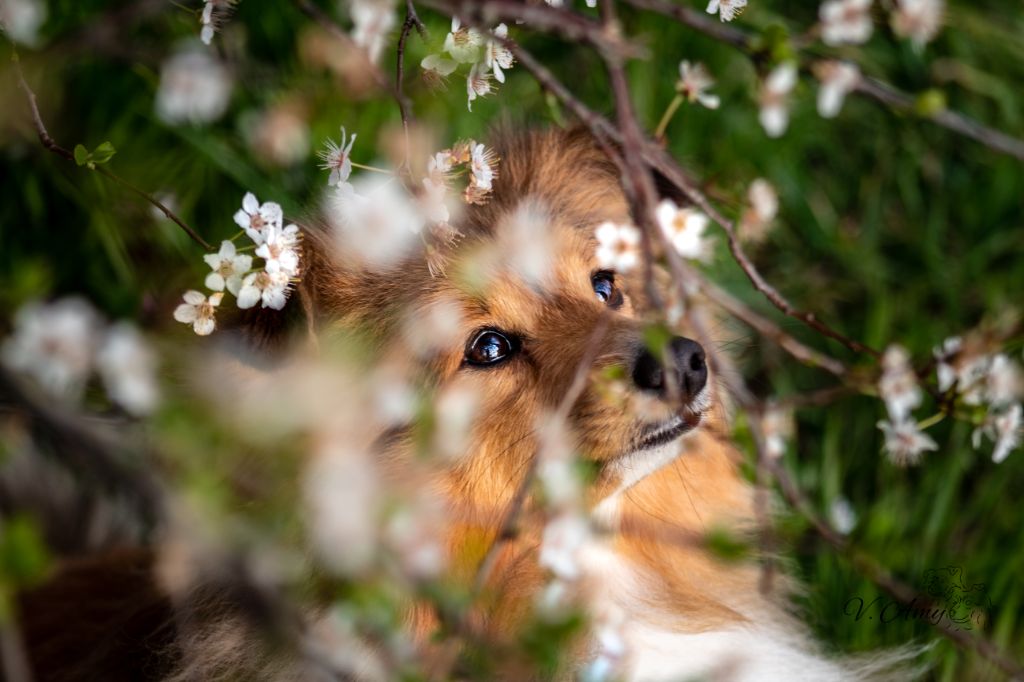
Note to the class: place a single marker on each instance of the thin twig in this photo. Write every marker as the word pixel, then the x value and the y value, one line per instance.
pixel 50 144
pixel 412 21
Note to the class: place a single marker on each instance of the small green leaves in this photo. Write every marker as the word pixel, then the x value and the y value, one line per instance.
pixel 100 155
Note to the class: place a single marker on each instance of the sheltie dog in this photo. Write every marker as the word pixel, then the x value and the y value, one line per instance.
pixel 663 466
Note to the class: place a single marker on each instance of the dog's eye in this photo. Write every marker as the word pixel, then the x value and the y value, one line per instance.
pixel 604 286
pixel 490 347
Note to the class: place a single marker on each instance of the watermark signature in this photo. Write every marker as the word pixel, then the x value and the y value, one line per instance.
pixel 947 600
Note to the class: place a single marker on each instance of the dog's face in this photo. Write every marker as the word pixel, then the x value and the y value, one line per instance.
pixel 526 306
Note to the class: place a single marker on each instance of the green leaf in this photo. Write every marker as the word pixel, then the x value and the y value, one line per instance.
pixel 725 545
pixel 82 155
pixel 103 153
pixel 23 555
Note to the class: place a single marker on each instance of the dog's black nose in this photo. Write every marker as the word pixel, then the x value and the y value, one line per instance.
pixel 686 360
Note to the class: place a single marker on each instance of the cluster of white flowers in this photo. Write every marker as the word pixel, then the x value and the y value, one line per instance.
pixel 694 81
pixel 487 57
pixel 991 380
pixel 61 344
pixel 194 88
pixel 849 21
pixel 280 248
pixel 214 14
pixel 727 10
pixel 898 387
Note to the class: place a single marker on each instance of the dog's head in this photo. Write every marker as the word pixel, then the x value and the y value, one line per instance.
pixel 523 316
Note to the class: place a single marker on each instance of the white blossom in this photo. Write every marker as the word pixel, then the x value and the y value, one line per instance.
pixel 610 646
pixel 482 166
pixel 22 19
pixel 842 515
pixel 413 533
pixel 278 134
pixel 255 217
pixel 463 43
pixel 694 81
pixel 478 84
pixel 372 22
pixel 727 10
pixel 194 88
pixel 213 16
pixel 564 538
pixel 433 201
pixel 271 289
pixel 497 56
pixel 1005 429
pixel 455 412
pixel 280 251
pixel 128 368
pixel 1004 382
pixel 336 158
pixel 763 206
pixel 374 221
pixel 845 21
pixel 684 228
pixel 617 246
pixel 898 384
pixel 969 371
pixel 838 79
pixel 904 442
pixel 54 344
pixel 774 99
pixel 777 427
pixel 436 68
pixel 199 311
pixel 919 20
pixel 228 266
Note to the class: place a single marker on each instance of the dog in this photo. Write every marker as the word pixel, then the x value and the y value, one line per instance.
pixel 648 419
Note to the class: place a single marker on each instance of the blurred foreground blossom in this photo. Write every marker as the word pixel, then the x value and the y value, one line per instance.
pixel 128 368
pixel 778 427
pixel 617 246
pixel 838 79
pixel 214 14
pixel 918 20
pixel 694 81
pixel 372 22
pixel 905 442
pixel 1004 428
pixel 763 206
pixel 374 221
pixel 774 99
pixel 278 135
pixel 194 88
pixel 564 539
pixel 727 10
pixel 845 21
pixel 199 311
pixel 842 516
pixel 22 19
pixel 54 344
pixel 684 228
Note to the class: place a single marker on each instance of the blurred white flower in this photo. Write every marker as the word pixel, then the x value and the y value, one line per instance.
pixel 372 22
pixel 255 218
pixel 394 399
pixel 968 370
pixel 555 468
pixel 199 311
pixel 128 368
pixel 336 158
pixel 919 20
pixel 610 646
pixel 54 344
pixel 842 516
pixel 433 201
pixel 838 79
pixel 22 19
pixel 564 538
pixel 763 206
pixel 279 134
pixel 898 384
pixel 945 356
pixel 341 489
pixel 904 442
pixel 774 99
pixel 777 427
pixel 726 9
pixel 374 221
pixel 497 56
pixel 269 288
pixel 617 246
pixel 228 266
pixel 280 250
pixel 694 80
pixel 463 44
pixel 194 88
pixel 436 69
pixel 478 83
pixel 455 412
pixel 526 244
pixel 845 21
pixel 1004 428
pixel 414 533
pixel 684 228
pixel 440 165
pixel 214 14
pixel 1004 382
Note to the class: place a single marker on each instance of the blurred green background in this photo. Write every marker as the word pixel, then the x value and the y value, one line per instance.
pixel 890 228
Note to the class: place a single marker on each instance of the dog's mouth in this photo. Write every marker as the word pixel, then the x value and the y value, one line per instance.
pixel 661 433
